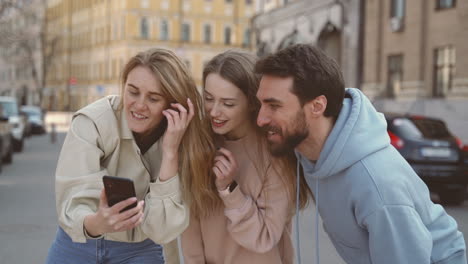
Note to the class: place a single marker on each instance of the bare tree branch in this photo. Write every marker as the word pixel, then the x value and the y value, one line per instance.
pixel 24 40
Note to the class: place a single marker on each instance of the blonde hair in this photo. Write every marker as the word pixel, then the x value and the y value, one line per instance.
pixel 196 150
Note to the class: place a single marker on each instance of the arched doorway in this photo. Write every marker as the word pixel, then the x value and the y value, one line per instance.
pixel 330 41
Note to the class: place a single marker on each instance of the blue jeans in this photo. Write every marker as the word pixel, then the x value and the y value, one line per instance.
pixel 100 251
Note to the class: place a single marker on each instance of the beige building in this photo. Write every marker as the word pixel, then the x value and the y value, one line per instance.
pixel 416 56
pixel 96 38
pixel 331 25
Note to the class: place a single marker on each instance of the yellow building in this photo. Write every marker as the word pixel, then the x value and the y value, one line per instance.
pixel 94 38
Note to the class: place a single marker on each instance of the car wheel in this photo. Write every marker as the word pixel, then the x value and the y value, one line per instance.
pixel 1 163
pixel 8 159
pixel 19 145
pixel 453 197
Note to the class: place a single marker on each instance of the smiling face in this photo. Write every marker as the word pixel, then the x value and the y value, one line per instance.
pixel 226 106
pixel 143 101
pixel 281 115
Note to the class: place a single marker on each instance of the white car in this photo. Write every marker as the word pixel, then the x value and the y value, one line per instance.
pixel 11 110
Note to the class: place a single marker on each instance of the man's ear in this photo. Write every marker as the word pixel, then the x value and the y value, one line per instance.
pixel 317 106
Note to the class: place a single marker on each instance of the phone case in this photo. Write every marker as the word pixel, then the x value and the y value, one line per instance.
pixel 118 189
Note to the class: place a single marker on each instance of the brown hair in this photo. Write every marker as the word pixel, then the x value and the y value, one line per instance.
pixel 314 74
pixel 177 85
pixel 237 67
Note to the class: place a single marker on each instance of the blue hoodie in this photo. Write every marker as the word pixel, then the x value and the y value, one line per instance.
pixel 373 205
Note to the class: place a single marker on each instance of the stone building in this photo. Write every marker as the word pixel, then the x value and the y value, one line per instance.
pixel 415 59
pixel 333 25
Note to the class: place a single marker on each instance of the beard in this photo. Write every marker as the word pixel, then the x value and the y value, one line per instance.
pixel 298 133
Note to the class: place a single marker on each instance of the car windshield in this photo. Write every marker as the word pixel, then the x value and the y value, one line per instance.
pixel 10 108
pixel 31 112
pixel 406 127
pixel 421 128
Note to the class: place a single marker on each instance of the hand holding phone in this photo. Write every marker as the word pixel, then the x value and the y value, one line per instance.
pixel 119 210
pixel 119 189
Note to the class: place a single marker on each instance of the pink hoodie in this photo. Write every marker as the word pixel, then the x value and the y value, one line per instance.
pixel 255 224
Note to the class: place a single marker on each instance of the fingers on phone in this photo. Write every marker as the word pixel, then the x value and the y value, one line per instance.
pixel 129 223
pixel 121 205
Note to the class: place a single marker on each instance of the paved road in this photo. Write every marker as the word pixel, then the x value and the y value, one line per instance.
pixel 28 219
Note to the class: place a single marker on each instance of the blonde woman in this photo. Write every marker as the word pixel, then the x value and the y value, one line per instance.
pixel 154 134
pixel 244 216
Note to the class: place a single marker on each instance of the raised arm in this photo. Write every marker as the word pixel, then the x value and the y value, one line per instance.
pixel 255 223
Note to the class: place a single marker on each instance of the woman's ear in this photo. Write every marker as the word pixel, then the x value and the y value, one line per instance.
pixel 317 106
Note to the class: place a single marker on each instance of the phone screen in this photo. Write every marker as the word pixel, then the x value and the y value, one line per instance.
pixel 118 189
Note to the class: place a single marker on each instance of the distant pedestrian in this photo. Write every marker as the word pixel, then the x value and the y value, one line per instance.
pixel 153 134
pixel 373 205
pixel 245 216
pixel 53 133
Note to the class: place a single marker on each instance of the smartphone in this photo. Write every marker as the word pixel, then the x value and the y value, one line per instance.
pixel 118 189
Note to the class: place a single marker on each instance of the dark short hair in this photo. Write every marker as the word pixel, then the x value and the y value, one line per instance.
pixel 314 74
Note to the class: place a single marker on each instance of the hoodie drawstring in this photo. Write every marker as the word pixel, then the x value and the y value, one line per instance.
pixel 317 239
pixel 298 242
pixel 317 218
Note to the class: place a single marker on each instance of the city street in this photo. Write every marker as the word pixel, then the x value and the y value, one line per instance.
pixel 28 219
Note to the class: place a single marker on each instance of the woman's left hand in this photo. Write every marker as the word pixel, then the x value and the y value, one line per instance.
pixel 177 123
pixel 225 168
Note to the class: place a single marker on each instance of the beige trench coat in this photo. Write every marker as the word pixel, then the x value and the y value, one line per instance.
pixel 100 143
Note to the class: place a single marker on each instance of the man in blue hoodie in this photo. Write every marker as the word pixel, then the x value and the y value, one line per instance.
pixel 373 205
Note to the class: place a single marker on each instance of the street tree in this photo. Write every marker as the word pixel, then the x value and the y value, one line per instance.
pixel 25 41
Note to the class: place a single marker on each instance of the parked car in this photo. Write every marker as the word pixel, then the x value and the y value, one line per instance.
pixel 435 154
pixel 27 125
pixel 11 110
pixel 6 141
pixel 35 118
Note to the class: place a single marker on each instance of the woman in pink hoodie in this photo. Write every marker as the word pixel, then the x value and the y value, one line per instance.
pixel 242 212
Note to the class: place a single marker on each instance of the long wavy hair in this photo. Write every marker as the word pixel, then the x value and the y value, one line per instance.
pixel 237 67
pixel 196 150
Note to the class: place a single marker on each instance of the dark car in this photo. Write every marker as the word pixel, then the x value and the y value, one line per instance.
pixel 435 154
pixel 35 118
pixel 6 140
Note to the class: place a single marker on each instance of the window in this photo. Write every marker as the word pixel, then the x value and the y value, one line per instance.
pixel 144 30
pixel 444 70
pixel 444 4
pixel 397 8
pixel 246 42
pixel 207 34
pixel 395 75
pixel 164 33
pixel 185 32
pixel 227 36
pixel 144 3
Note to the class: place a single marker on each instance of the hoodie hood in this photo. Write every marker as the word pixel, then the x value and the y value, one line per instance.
pixel 358 132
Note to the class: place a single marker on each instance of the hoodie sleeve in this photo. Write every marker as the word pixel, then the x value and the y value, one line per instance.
pixel 78 177
pixel 398 235
pixel 192 243
pixel 258 224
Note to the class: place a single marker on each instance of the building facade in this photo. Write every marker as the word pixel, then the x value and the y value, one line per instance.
pixel 97 37
pixel 416 53
pixel 333 25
